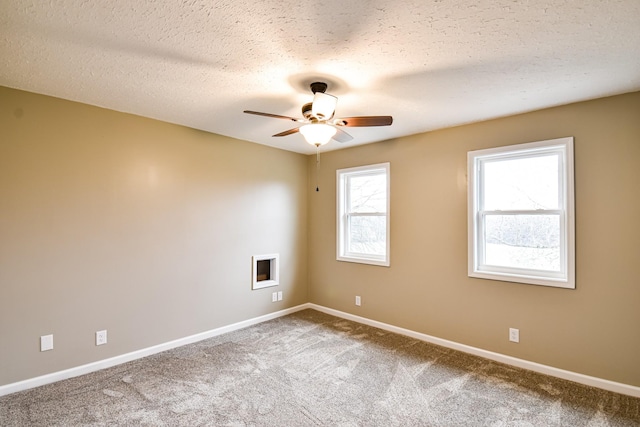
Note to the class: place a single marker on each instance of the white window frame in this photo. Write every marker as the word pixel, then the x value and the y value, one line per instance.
pixel 476 266
pixel 342 182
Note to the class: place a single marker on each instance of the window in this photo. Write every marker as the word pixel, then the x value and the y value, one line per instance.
pixel 521 213
pixel 363 214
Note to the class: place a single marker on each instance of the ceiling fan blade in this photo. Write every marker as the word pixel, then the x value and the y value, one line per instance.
pixel 342 136
pixel 275 116
pixel 364 121
pixel 288 132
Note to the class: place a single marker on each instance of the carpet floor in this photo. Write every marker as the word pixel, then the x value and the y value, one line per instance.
pixel 312 369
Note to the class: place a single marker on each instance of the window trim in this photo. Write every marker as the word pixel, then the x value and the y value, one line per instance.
pixel 564 279
pixel 342 216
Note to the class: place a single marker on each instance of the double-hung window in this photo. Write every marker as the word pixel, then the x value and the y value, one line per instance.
pixel 363 214
pixel 521 213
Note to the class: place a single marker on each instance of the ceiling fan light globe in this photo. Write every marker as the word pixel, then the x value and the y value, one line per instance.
pixel 324 105
pixel 317 134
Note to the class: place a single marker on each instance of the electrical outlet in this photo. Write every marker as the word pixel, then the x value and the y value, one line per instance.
pixel 358 300
pixel 514 335
pixel 101 337
pixel 46 342
pixel 279 295
pixel 274 297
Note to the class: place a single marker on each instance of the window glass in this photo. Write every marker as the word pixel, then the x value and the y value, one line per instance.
pixel 368 193
pixel 367 235
pixel 521 183
pixel 523 241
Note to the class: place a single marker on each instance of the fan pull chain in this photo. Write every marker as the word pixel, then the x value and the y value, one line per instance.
pixel 317 166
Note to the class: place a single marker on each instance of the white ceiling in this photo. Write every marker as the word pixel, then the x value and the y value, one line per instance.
pixel 429 64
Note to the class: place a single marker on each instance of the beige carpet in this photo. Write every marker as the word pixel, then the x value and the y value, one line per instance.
pixel 312 369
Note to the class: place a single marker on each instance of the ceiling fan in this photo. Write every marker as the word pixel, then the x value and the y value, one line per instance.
pixel 318 125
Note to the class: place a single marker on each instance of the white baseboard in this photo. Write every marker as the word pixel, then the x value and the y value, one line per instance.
pixel 513 361
pixel 508 360
pixel 117 360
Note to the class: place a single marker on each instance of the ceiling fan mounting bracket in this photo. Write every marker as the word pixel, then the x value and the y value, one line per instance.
pixel 318 87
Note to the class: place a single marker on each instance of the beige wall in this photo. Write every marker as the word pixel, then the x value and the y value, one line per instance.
pixel 146 229
pixel 593 330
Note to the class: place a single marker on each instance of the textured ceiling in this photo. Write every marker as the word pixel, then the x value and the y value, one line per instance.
pixel 429 64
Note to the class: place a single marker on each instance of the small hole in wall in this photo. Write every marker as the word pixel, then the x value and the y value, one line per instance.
pixel 265 271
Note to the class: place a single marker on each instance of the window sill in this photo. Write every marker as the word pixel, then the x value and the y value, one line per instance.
pixel 528 280
pixel 362 260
